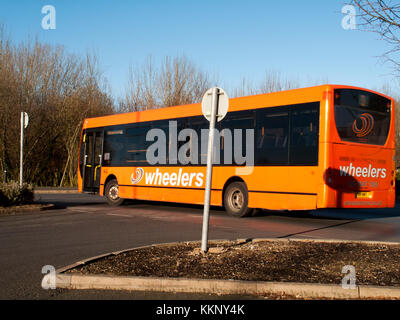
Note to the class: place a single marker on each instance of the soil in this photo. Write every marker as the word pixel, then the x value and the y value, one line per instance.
pixel 22 208
pixel 281 261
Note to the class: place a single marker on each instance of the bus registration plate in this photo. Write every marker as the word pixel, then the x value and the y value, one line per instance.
pixel 363 195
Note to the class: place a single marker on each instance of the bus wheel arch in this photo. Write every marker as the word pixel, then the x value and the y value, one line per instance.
pixel 235 197
pixel 111 191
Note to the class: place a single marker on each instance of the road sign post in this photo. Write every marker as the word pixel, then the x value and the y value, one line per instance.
pixel 24 124
pixel 214 106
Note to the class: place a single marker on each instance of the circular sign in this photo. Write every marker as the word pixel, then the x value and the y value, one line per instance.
pixel 367 124
pixel 222 104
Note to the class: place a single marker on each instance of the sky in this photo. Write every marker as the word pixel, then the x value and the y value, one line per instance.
pixel 232 39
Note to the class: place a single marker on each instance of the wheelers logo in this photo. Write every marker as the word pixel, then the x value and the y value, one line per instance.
pixel 174 179
pixel 367 124
pixel 139 176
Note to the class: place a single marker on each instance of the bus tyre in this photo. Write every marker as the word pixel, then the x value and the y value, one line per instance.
pixel 111 193
pixel 236 200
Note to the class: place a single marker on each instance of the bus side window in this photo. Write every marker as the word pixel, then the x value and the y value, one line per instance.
pixel 304 136
pixel 197 124
pixel 182 123
pixel 164 126
pixel 241 120
pixel 136 144
pixel 114 141
pixel 272 137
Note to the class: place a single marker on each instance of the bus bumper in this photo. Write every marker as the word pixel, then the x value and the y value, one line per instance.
pixel 366 199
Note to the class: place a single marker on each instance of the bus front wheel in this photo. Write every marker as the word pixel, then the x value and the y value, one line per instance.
pixel 111 193
pixel 236 200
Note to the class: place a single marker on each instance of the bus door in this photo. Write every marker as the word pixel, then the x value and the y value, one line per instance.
pixel 92 161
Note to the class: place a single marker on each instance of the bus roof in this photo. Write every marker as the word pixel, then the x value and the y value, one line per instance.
pixel 288 97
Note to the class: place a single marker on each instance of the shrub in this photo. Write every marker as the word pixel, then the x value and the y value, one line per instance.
pixel 12 194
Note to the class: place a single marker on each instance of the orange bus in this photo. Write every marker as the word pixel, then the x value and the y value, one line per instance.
pixel 329 146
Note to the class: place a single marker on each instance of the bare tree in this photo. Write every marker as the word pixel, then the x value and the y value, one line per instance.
pixel 273 81
pixel 141 91
pixel 58 90
pixel 383 18
pixel 177 81
pixel 180 82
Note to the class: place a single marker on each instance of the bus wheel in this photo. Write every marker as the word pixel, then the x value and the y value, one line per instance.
pixel 111 193
pixel 236 200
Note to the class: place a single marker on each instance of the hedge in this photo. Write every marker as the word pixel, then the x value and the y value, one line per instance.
pixel 12 194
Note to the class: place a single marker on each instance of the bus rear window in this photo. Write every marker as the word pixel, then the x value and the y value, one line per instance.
pixel 362 116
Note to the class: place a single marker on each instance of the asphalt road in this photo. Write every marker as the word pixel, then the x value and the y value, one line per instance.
pixel 84 225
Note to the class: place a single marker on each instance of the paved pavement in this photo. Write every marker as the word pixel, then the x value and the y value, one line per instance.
pixel 84 225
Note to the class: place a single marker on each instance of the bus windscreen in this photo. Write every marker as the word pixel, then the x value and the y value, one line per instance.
pixel 362 116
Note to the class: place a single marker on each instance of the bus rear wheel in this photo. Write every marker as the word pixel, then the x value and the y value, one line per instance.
pixel 236 200
pixel 111 193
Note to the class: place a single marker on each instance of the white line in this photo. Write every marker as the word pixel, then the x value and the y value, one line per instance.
pixel 119 215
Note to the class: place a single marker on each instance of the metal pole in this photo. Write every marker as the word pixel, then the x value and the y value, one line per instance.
pixel 21 149
pixel 206 212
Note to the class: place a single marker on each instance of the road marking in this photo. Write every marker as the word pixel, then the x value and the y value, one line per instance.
pixel 119 215
pixel 85 209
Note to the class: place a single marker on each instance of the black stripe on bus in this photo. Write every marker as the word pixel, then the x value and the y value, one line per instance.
pixel 282 192
pixel 161 187
pixel 253 191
